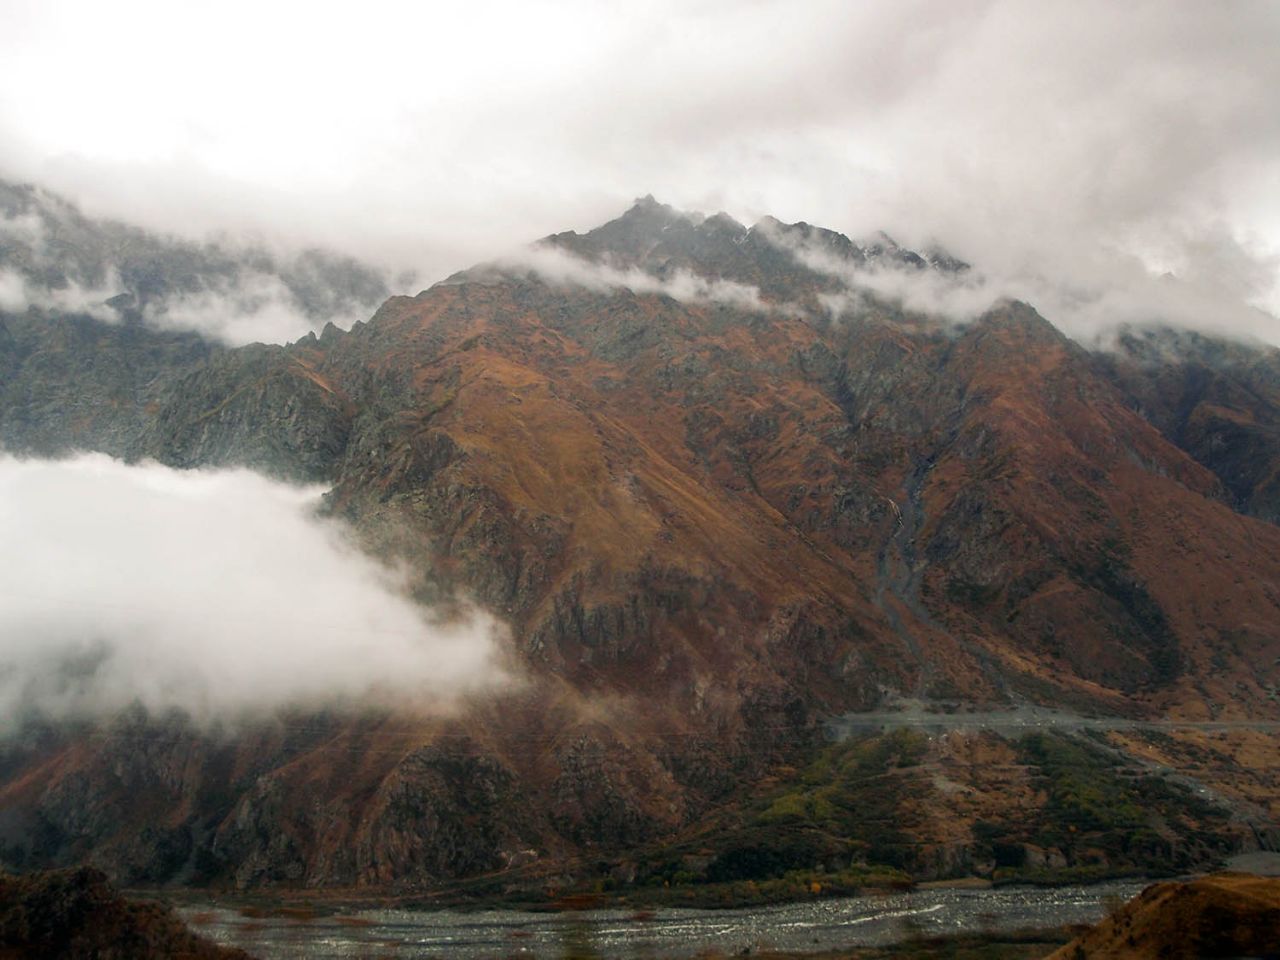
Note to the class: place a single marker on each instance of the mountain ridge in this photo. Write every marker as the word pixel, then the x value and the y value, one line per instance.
pixel 711 528
pixel 54 257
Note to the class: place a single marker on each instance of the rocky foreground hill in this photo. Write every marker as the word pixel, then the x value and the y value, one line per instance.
pixel 77 915
pixel 722 495
pixel 1224 915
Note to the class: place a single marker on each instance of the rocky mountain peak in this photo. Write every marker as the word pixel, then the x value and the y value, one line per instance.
pixel 785 262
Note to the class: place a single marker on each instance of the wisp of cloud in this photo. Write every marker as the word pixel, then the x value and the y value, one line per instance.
pixel 560 267
pixel 218 593
pixel 1115 293
pixel 54 259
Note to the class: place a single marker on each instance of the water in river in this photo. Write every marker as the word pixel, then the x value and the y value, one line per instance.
pixel 623 934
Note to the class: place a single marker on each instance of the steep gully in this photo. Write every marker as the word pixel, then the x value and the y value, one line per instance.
pixel 900 575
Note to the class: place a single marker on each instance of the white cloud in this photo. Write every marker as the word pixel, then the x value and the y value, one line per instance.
pixel 1113 292
pixel 26 228
pixel 217 593
pixel 237 306
pixel 561 267
pixel 17 293
pixel 13 292
pixel 252 307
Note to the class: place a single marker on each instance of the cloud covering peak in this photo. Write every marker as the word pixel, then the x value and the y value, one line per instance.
pixel 54 258
pixel 1055 139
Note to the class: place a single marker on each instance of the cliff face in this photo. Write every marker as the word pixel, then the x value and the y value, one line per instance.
pixel 711 522
pixel 660 492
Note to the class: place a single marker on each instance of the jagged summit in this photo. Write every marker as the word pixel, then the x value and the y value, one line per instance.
pixel 788 264
pixel 650 224
pixel 649 203
pixel 785 262
pixel 631 235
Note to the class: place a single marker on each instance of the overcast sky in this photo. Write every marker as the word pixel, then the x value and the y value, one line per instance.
pixel 1093 142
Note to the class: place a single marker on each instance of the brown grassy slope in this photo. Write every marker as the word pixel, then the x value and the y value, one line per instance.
pixel 1224 915
pixel 707 528
pixel 956 512
pixel 1218 399
pixel 1071 531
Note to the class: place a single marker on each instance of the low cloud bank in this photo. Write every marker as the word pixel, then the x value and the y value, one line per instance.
pixel 217 593
pixel 18 293
pixel 250 308
pixel 257 307
pixel 561 267
pixel 1108 293
pixel 55 259
pixel 1028 137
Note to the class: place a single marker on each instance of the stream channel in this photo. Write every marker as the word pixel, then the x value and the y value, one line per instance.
pixel 620 934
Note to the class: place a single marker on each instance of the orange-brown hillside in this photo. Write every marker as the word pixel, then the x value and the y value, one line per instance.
pixel 711 528
pixel 1223 915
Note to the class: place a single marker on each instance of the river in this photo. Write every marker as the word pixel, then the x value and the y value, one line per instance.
pixel 675 933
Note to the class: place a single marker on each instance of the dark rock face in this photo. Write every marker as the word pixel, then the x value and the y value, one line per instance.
pixel 708 528
pixel 214 416
pixel 662 240
pixel 70 382
pixel 1216 399
pixel 438 814
pixel 75 383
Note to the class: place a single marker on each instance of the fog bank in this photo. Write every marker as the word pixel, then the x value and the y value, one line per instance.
pixel 219 593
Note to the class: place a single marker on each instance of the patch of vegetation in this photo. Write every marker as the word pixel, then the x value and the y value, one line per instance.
pixel 831 829
pixel 853 795
pixel 793 885
pixel 77 913
pixel 970 593
pixel 1099 814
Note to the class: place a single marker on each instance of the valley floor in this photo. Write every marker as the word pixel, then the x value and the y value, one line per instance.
pixel 926 923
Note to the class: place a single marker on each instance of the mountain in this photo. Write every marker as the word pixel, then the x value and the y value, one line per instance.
pixel 723 494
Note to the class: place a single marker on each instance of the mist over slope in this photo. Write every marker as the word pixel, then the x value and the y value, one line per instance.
pixel 721 492
pixel 54 258
pixel 220 595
